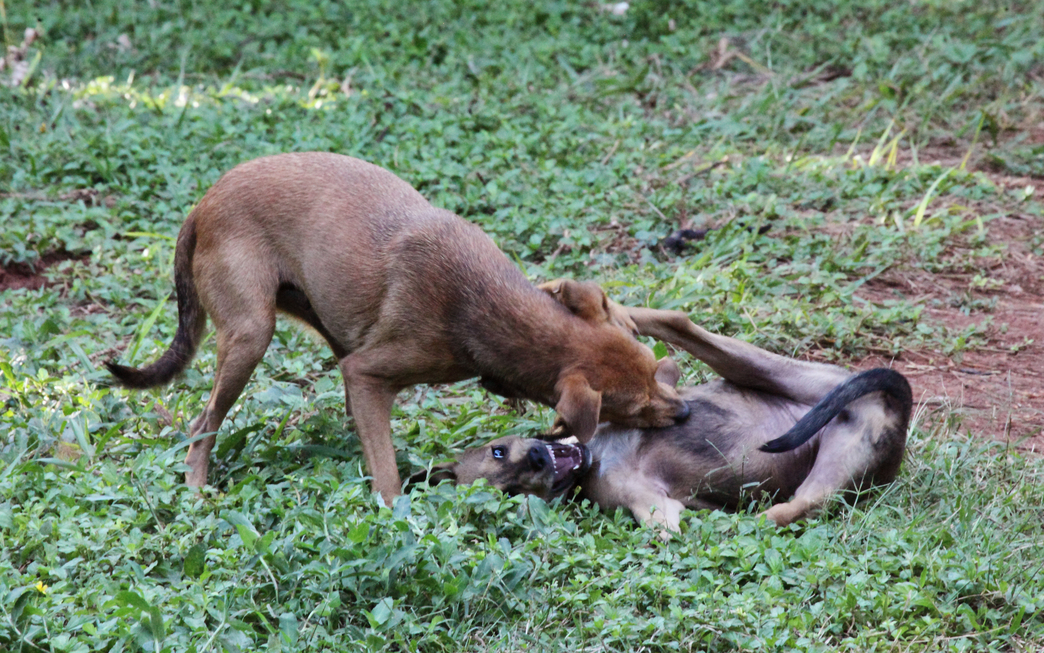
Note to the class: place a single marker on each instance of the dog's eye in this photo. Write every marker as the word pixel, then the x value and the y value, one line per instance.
pixel 499 452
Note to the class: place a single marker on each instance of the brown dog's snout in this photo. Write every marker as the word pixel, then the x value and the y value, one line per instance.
pixel 538 457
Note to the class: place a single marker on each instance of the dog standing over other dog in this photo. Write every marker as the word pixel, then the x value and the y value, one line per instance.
pixel 845 433
pixel 403 293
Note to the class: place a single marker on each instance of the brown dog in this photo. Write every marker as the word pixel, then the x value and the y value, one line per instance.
pixel 844 433
pixel 404 293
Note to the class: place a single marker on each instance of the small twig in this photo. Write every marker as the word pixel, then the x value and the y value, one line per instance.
pixel 558 250
pixel 658 212
pixel 703 169
pixel 753 64
pixel 682 159
pixel 750 317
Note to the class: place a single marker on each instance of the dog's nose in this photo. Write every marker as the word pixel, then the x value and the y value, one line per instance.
pixel 538 457
pixel 682 412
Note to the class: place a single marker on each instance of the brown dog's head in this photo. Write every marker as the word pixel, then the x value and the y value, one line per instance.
pixel 517 466
pixel 619 380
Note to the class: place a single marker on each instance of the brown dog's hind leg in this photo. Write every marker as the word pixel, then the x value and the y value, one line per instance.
pixel 240 348
pixel 238 291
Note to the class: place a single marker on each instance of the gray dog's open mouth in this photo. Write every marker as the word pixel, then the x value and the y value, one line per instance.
pixel 570 462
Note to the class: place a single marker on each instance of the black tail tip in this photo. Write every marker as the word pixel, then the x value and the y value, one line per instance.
pixel 119 372
pixel 779 445
pixel 127 377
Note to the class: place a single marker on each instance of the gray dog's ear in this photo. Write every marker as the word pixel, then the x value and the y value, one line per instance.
pixel 438 474
pixel 578 408
pixel 667 372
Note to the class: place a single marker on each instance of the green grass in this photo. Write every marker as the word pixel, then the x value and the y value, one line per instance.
pixel 578 140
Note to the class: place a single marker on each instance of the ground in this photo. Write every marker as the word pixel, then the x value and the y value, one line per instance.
pixel 995 391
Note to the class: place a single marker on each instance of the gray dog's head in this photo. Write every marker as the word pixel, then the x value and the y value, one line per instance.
pixel 517 466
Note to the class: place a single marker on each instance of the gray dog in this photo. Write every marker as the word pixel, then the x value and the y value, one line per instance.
pixel 842 433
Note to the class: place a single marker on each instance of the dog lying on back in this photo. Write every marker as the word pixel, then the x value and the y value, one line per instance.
pixel 403 293
pixel 842 433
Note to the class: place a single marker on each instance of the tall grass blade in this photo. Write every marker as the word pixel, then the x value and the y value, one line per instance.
pixel 923 206
pixel 879 149
pixel 975 139
pixel 146 326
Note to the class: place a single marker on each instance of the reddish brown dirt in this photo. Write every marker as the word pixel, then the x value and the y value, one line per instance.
pixel 996 390
pixel 23 275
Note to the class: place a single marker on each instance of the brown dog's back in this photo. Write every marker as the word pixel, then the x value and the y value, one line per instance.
pixel 366 249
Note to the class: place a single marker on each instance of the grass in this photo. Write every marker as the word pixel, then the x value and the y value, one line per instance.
pixel 578 140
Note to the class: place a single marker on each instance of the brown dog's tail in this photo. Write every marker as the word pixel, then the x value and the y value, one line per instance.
pixel 191 321
pixel 881 379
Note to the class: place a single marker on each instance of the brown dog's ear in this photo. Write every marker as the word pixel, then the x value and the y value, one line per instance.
pixel 438 474
pixel 667 372
pixel 588 301
pixel 584 299
pixel 578 408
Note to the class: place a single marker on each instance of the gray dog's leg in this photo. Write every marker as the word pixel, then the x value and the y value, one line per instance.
pixel 740 362
pixel 863 447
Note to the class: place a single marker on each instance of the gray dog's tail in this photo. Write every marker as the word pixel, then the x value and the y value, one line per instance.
pixel 892 383
pixel 191 321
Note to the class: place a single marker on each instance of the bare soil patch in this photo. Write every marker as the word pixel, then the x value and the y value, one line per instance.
pixel 997 390
pixel 31 276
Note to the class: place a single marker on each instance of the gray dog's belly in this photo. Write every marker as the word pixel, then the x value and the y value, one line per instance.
pixel 712 457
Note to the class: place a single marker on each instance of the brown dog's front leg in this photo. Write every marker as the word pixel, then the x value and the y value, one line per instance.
pixel 371 402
